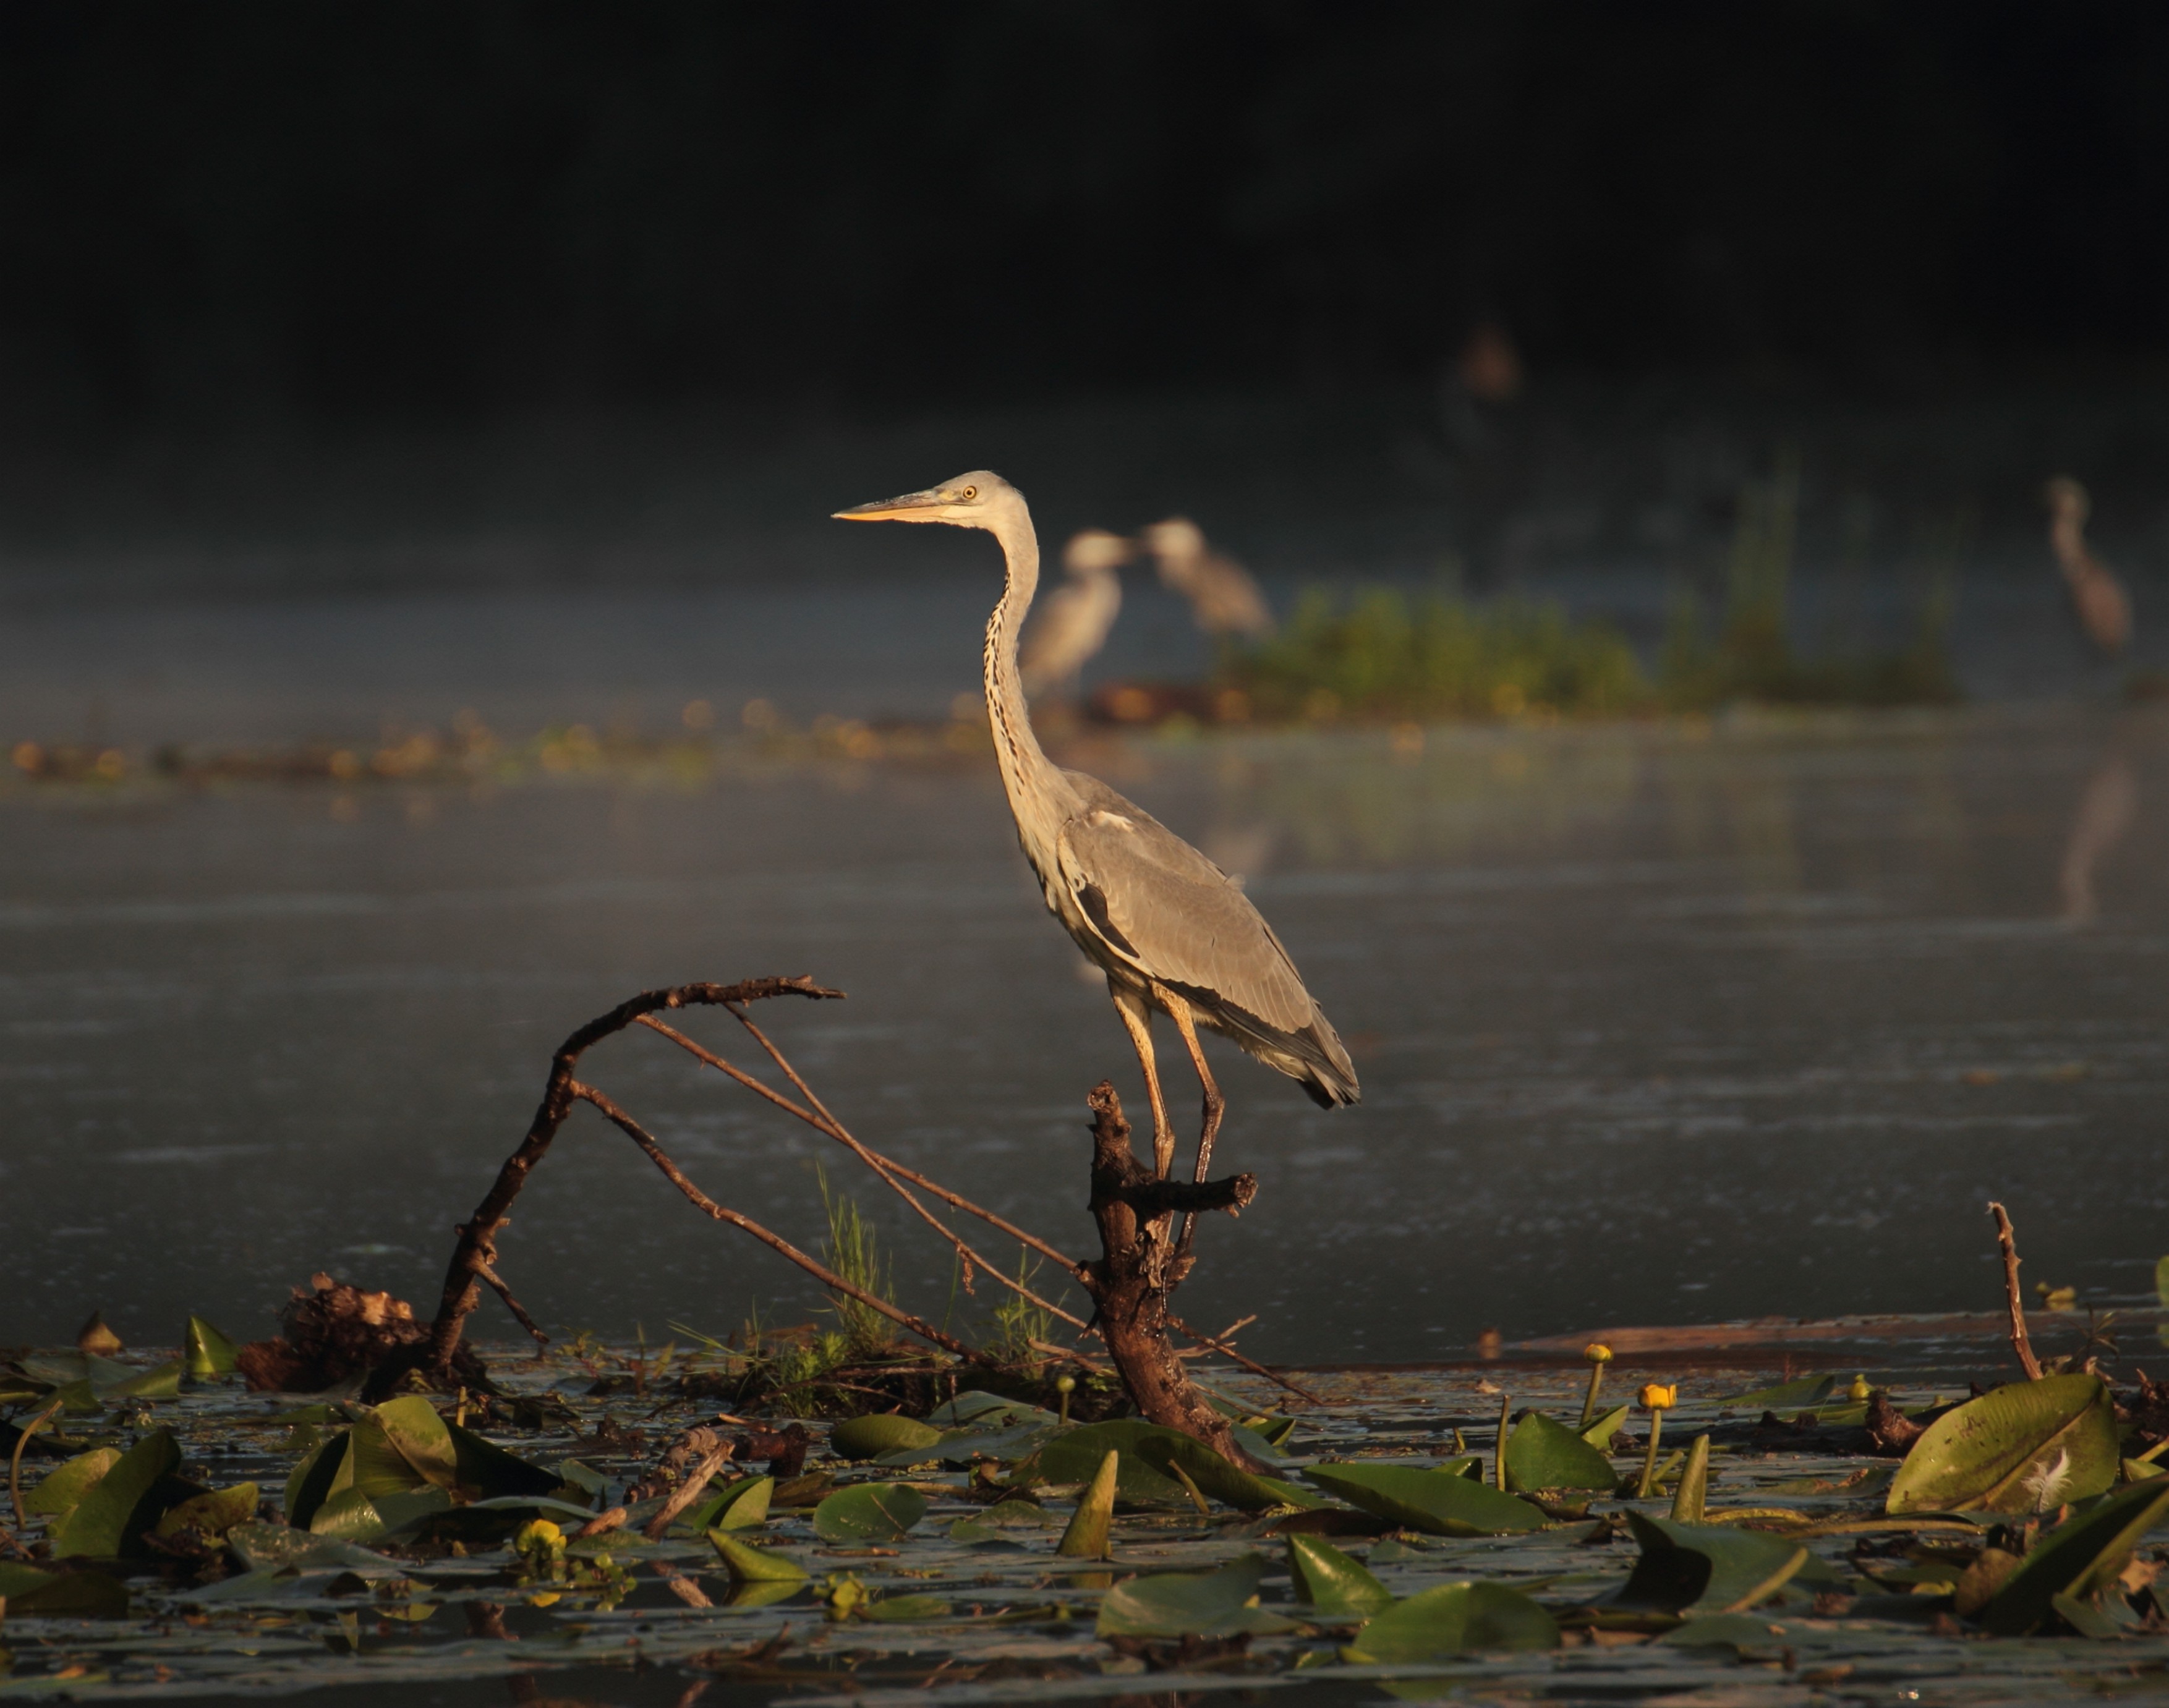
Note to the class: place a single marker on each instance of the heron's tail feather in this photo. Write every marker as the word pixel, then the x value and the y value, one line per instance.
pixel 1313 1055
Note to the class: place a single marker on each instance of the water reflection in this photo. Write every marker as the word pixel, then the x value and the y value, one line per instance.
pixel 1652 1025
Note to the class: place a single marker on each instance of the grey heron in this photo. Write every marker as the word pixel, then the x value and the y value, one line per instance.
pixel 1072 622
pixel 2098 600
pixel 1169 928
pixel 1223 598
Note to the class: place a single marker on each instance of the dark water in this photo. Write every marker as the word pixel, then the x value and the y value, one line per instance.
pixel 1653 1025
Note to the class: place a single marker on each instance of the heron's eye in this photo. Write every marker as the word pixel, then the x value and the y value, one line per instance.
pixel 968 494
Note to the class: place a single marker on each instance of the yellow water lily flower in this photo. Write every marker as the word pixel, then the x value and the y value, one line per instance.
pixel 1659 1396
pixel 1596 1352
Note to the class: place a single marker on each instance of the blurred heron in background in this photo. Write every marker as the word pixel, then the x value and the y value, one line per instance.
pixel 1166 925
pixel 2098 600
pixel 1073 621
pixel 1223 598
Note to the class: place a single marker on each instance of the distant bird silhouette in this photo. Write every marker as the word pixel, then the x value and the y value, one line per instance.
pixel 1223 598
pixel 1072 623
pixel 2098 600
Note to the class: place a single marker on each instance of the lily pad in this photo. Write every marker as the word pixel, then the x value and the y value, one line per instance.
pixel 748 1565
pixel 1006 1521
pixel 882 1432
pixel 1706 1568
pixel 740 1507
pixel 2077 1560
pixel 898 1609
pixel 2028 1447
pixel 211 1514
pixel 869 1512
pixel 1214 1476
pixel 1786 1396
pixel 122 1504
pixel 1454 1618
pixel 1075 1456
pixel 1182 1604
pixel 206 1352
pixel 1439 1501
pixel 27 1590
pixel 67 1484
pixel 1602 1428
pixel 1542 1454
pixel 985 1411
pixel 1333 1584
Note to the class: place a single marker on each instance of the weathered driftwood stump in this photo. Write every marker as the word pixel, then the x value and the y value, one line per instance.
pixel 1140 1266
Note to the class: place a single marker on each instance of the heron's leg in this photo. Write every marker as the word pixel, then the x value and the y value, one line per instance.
pixel 1130 1006
pixel 1178 1011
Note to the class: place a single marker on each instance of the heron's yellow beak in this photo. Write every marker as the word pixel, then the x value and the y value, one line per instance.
pixel 912 507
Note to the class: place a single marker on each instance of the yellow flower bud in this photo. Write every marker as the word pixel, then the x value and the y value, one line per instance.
pixel 1065 1384
pixel 1596 1352
pixel 1657 1397
pixel 539 1536
pixel 1859 1390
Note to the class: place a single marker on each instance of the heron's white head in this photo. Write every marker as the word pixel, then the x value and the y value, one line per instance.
pixel 2067 499
pixel 1096 552
pixel 980 499
pixel 1178 537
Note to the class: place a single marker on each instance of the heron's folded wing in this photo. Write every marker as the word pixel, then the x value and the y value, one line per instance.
pixel 1171 912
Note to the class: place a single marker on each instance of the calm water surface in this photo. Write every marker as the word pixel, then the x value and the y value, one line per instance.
pixel 1651 1027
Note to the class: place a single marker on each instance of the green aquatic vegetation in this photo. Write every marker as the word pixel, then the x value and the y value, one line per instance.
pixel 1454 1620
pixel 2027 1447
pixel 1383 655
pixel 1707 1568
pixel 853 1250
pixel 1542 1454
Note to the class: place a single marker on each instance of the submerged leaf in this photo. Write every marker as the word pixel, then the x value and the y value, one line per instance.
pixel 1183 1604
pixel 2078 1559
pixel 2027 1447
pixel 869 1512
pixel 1440 1502
pixel 1542 1454
pixel 1335 1585
pixel 1708 1568
pixel 882 1432
pixel 1454 1618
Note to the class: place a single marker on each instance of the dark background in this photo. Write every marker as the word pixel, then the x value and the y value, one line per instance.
pixel 307 217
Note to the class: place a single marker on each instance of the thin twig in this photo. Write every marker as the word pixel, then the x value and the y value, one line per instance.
pixel 478 1233
pixel 2019 1344
pixel 15 1460
pixel 689 1491
pixel 886 1170
pixel 511 1304
pixel 1072 1355
pixel 1251 1365
pixel 827 1277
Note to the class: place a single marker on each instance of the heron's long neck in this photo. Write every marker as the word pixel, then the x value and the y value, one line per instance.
pixel 1038 792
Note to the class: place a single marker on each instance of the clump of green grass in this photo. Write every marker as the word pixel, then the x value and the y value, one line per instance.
pixel 853 1250
pixel 1381 654
pixel 1018 1322
pixel 1384 655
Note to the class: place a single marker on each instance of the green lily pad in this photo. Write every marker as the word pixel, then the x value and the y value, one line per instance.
pixel 740 1507
pixel 1454 1618
pixel 869 1512
pixel 1542 1454
pixel 1706 1568
pixel 985 1411
pixel 1167 1450
pixel 66 1483
pixel 1602 1428
pixel 898 1609
pixel 61 1594
pixel 1786 1396
pixel 113 1514
pixel 1439 1502
pixel 206 1352
pixel 1182 1604
pixel 2077 1560
pixel 882 1432
pixel 1336 1586
pixel 353 1515
pixel 212 1514
pixel 748 1565
pixel 1733 1631
pixel 1006 1521
pixel 309 1483
pixel 2025 1448
pixel 1075 1456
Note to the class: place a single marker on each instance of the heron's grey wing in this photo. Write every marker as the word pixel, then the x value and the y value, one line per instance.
pixel 1169 911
